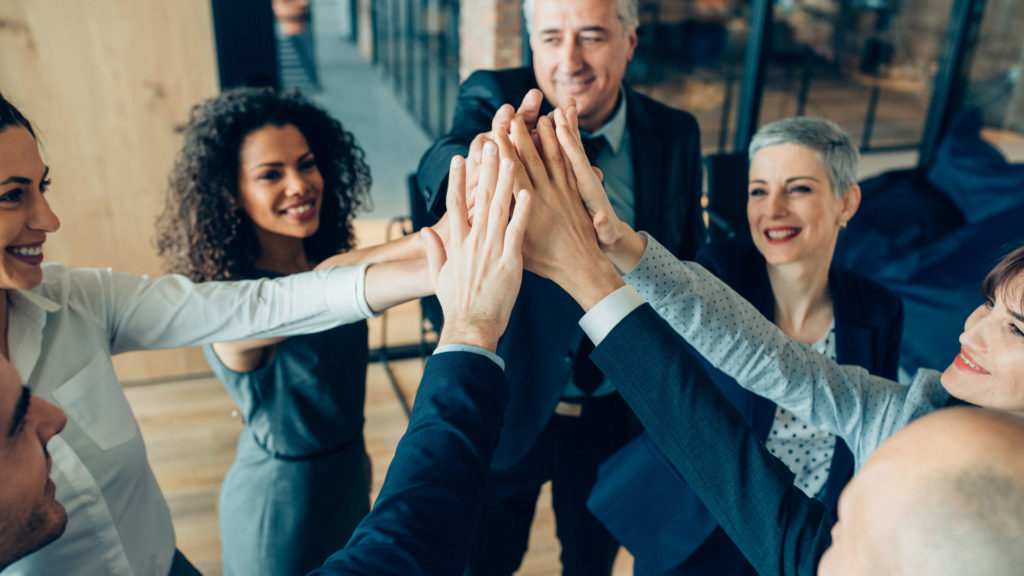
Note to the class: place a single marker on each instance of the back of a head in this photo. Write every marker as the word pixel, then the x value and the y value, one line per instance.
pixel 968 517
pixel 830 142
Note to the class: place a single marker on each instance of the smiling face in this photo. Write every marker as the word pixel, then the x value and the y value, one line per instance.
pixel 580 50
pixel 279 184
pixel 30 516
pixel 25 215
pixel 989 370
pixel 793 213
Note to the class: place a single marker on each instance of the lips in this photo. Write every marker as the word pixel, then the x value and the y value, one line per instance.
pixel 576 85
pixel 781 234
pixel 301 211
pixel 966 363
pixel 28 253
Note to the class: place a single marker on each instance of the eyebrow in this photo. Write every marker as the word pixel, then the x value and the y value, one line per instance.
pixel 22 180
pixel 17 180
pixel 601 29
pixel 279 164
pixel 20 411
pixel 788 180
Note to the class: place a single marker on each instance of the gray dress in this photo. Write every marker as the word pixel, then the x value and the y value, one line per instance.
pixel 298 485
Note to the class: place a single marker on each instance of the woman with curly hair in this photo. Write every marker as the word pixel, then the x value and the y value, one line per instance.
pixel 267 185
pixel 61 327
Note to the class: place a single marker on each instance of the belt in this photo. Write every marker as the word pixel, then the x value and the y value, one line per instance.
pixel 573 407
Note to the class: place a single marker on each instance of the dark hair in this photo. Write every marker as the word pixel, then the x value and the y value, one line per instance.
pixel 1007 269
pixel 203 232
pixel 10 116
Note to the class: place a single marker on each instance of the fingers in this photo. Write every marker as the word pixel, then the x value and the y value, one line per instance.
pixel 551 152
pixel 436 255
pixel 529 109
pixel 572 146
pixel 516 231
pixel 528 154
pixel 499 209
pixel 503 119
pixel 455 202
pixel 485 186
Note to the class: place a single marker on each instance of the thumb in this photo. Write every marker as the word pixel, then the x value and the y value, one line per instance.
pixel 436 255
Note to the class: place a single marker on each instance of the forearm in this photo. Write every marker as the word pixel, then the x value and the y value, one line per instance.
pixel 724 328
pixel 408 247
pixel 778 528
pixel 392 283
pixel 428 509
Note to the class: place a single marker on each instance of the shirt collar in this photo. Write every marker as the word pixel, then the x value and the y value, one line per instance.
pixel 615 128
pixel 33 299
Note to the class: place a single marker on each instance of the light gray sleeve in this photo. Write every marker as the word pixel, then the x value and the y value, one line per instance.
pixel 730 333
pixel 142 313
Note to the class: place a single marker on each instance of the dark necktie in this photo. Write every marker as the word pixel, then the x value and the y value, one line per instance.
pixel 585 375
pixel 593 145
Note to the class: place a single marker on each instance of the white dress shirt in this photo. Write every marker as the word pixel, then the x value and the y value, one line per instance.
pixel 61 335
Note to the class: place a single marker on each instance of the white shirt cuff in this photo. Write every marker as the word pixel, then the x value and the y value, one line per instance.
pixel 474 349
pixel 606 314
pixel 347 285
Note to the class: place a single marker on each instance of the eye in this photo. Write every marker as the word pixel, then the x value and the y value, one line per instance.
pixel 1016 331
pixel 269 175
pixel 757 192
pixel 12 196
pixel 307 165
pixel 44 185
pixel 550 40
pixel 591 38
pixel 800 189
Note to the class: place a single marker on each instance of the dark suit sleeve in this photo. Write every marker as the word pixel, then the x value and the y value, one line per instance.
pixel 750 492
pixel 479 98
pixel 427 511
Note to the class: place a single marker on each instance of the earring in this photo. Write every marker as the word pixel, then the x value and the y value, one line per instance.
pixel 842 224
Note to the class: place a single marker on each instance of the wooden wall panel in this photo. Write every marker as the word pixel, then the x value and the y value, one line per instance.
pixel 105 82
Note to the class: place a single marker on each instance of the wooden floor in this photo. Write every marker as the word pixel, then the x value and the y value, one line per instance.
pixel 191 427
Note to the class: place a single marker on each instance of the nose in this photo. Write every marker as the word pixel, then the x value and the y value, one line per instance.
pixel 973 335
pixel 571 56
pixel 51 419
pixel 295 185
pixel 777 204
pixel 43 218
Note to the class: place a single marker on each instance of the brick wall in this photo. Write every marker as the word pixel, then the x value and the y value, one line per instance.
pixel 490 35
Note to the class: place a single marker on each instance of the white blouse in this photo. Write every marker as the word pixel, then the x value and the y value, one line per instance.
pixel 61 335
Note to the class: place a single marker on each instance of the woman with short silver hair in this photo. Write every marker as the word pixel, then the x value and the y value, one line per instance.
pixel 802 191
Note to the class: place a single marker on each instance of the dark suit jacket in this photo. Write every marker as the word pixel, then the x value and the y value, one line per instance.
pixel 543 335
pixel 869 321
pixel 751 493
pixel 426 515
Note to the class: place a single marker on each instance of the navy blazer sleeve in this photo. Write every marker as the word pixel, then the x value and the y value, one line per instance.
pixel 779 529
pixel 427 511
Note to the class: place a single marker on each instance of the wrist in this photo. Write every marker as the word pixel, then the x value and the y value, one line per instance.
pixel 627 250
pixel 592 283
pixel 483 335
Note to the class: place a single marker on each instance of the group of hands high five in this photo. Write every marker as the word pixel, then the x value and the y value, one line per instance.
pixel 526 197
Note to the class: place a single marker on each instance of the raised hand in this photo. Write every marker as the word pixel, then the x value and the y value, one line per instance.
pixel 560 242
pixel 477 274
pixel 616 238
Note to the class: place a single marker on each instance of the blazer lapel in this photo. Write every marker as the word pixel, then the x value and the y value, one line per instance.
pixel 854 340
pixel 647 150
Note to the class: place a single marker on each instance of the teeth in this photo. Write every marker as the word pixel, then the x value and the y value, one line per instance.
pixel 36 251
pixel 777 234
pixel 300 209
pixel 969 363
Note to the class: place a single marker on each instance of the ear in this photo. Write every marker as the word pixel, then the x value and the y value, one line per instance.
pixel 631 41
pixel 850 203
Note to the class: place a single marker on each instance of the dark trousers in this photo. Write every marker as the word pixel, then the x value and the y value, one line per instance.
pixel 567 452
pixel 180 566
